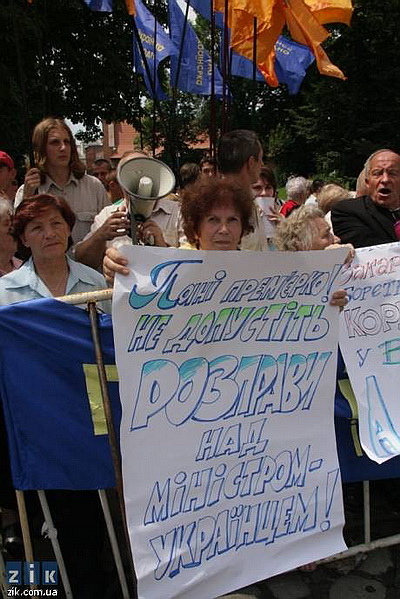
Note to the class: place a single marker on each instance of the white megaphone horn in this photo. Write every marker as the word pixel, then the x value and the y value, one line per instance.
pixel 145 180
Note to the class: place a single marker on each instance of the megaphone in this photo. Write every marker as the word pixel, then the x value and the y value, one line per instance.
pixel 145 180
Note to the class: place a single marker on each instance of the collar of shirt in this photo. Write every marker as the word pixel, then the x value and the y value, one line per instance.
pixel 27 276
pixel 49 182
pixel 161 205
pixel 76 274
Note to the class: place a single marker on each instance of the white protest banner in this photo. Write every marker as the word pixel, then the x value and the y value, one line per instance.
pixel 370 344
pixel 227 364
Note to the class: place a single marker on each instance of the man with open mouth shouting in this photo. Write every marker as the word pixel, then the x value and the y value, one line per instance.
pixel 370 220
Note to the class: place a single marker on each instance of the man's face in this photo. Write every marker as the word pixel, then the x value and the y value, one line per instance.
pixel 8 245
pixel 383 180
pixel 101 171
pixel 254 167
pixel 208 169
pixel 7 176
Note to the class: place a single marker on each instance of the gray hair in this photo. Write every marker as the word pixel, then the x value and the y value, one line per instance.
pixel 330 195
pixel 361 185
pixel 297 189
pixel 367 164
pixel 296 232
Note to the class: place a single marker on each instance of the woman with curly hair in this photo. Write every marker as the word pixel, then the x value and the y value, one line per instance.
pixel 216 213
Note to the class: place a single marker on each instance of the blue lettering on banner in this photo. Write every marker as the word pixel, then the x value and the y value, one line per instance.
pixel 163 278
pixel 224 387
pixel 190 545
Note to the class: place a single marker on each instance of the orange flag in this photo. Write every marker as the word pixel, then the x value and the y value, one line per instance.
pixel 331 11
pixel 268 30
pixel 130 6
pixel 260 9
pixel 304 18
pixel 305 29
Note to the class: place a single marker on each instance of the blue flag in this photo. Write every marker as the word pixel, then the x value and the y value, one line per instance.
pixel 50 394
pixel 195 66
pixel 148 29
pixel 100 5
pixel 203 7
pixel 291 61
pixel 243 67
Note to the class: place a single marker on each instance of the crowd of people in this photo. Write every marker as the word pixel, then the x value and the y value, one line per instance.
pixel 61 230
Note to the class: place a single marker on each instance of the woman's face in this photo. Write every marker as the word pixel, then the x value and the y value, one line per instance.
pixel 47 235
pixel 220 229
pixel 263 189
pixel 322 234
pixel 58 148
pixel 8 245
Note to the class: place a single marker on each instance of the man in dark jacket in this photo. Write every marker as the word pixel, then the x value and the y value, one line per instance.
pixel 369 220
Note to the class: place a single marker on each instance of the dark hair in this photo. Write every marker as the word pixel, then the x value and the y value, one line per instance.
pixel 111 175
pixel 34 206
pixel 316 185
pixel 208 160
pixel 39 142
pixel 268 175
pixel 235 148
pixel 201 197
pixel 103 161
pixel 188 173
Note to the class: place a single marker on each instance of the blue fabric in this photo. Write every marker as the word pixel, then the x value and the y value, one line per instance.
pixel 203 7
pixel 99 5
pixel 291 61
pixel 148 28
pixel 195 64
pixel 43 345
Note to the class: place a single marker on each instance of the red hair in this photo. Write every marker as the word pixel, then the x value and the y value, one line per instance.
pixel 34 206
pixel 204 195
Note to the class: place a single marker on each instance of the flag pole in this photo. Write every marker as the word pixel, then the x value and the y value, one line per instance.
pixel 175 91
pixel 213 127
pixel 178 70
pixel 112 436
pixel 154 124
pixel 149 75
pixel 225 70
pixel 254 85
